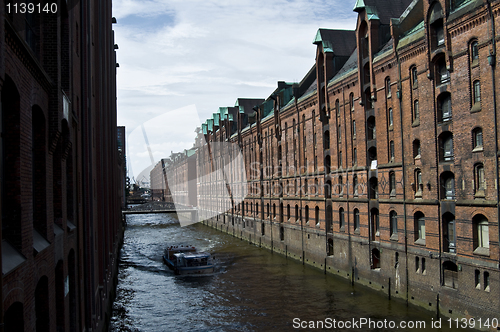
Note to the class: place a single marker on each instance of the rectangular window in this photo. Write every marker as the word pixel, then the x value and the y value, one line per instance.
pixel 483 235
pixel 421 228
pixel 477 92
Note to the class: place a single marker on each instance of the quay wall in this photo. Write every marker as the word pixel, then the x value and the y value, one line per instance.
pixel 393 279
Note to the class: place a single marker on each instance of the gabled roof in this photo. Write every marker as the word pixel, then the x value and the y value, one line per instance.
pixel 246 104
pixel 382 10
pixel 339 42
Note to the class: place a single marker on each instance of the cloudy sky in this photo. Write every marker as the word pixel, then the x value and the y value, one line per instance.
pixel 180 60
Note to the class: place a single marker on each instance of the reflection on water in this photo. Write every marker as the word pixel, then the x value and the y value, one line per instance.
pixel 252 289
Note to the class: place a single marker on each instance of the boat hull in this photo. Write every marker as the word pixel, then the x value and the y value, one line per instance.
pixel 199 270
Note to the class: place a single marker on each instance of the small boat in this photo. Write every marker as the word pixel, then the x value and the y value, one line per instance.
pixel 169 257
pixel 184 260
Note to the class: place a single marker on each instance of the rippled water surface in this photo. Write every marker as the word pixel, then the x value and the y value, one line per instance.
pixel 252 289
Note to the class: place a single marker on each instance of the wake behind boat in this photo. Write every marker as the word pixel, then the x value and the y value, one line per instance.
pixel 184 260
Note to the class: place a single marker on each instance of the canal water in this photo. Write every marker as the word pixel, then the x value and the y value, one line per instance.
pixel 251 290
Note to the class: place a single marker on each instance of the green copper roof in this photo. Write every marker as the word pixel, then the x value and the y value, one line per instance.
pixel 360 4
pixel 327 45
pixel 216 117
pixel 204 127
pixel 371 13
pixel 190 152
pixel 223 113
pixel 210 123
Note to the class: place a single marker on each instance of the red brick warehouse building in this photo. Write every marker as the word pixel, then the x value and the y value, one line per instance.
pixel 61 170
pixel 381 164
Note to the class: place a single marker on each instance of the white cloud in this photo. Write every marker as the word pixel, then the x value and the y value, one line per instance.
pixel 208 53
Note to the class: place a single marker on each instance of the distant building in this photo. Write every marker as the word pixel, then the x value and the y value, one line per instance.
pixel 381 165
pixel 122 159
pixel 61 187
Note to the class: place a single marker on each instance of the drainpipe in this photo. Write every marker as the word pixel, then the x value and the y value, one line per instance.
pixel 399 95
pixel 492 62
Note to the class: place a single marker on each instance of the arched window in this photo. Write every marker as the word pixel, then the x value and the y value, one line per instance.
pixel 450 274
pixel 356 219
pixel 341 219
pixel 480 234
pixel 388 87
pixel 316 215
pixel 477 139
pixel 351 101
pixel 479 180
pixel 307 214
pixel 419 225
pixel 436 27
pixel 341 185
pixel 288 212
pixel 391 118
pixel 442 73
pixel 354 156
pixel 393 223
pixel 296 213
pixel 282 233
pixel 392 184
pixel 414 77
pixel 339 134
pixel 449 233
pixel 355 184
pixel 418 183
pixel 447 185
pixel 328 219
pixel 337 107
pixel 446 146
pixel 353 129
pixel 476 97
pixel 474 53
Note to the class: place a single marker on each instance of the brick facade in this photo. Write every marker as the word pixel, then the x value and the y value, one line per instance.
pixel 62 176
pixel 381 165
